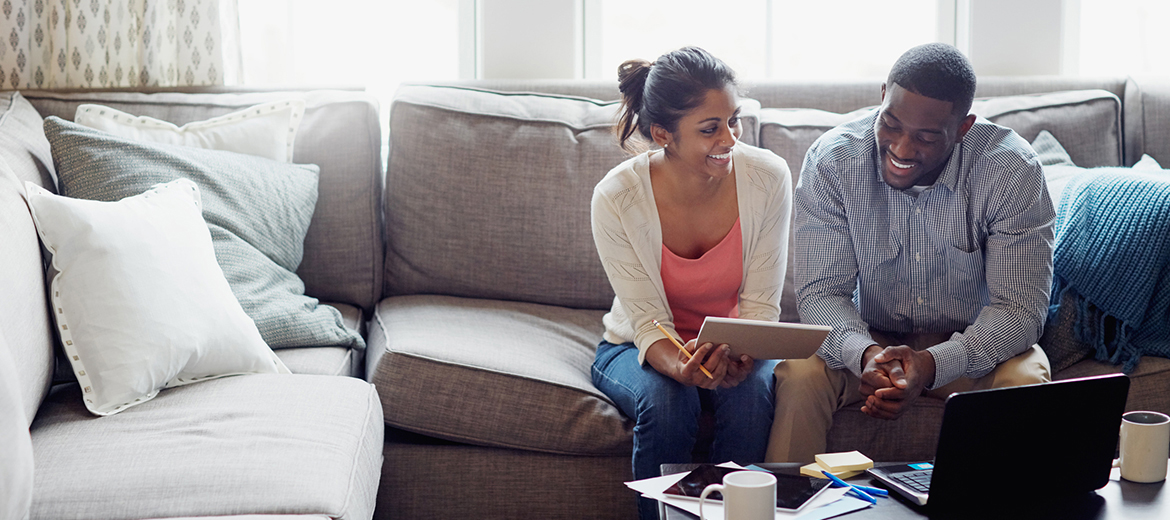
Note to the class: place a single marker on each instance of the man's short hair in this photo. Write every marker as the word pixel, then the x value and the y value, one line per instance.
pixel 938 71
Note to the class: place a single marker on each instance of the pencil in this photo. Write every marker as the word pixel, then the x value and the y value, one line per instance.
pixel 680 347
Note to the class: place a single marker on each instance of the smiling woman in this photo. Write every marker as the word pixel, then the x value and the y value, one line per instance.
pixel 690 220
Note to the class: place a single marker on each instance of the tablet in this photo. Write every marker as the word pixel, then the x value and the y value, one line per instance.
pixel 792 491
pixel 764 339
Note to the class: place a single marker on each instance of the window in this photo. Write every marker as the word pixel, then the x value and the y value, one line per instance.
pixel 1123 37
pixel 733 30
pixel 358 43
pixel 847 38
pixel 764 39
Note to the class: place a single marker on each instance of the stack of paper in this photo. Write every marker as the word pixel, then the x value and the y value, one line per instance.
pixel 842 465
pixel 831 503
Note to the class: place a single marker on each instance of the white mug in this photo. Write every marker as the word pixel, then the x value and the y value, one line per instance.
pixel 747 495
pixel 1145 445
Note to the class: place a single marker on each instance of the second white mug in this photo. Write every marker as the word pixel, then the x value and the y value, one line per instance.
pixel 1145 446
pixel 747 495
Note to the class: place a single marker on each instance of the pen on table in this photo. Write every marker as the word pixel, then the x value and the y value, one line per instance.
pixel 867 489
pixel 852 489
pixel 680 347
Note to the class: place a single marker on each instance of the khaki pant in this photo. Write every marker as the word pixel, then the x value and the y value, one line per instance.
pixel 808 392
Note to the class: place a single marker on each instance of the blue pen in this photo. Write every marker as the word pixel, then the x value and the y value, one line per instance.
pixel 871 490
pixel 852 489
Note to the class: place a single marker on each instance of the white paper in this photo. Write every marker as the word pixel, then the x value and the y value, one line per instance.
pixel 830 503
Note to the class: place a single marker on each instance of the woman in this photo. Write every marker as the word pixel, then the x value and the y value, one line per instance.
pixel 696 228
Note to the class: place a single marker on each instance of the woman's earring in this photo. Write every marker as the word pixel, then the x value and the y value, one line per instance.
pixel 664 145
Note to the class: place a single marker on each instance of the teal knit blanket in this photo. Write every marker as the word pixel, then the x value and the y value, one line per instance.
pixel 1113 249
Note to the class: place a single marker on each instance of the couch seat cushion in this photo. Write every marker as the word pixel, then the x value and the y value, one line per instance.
pixel 494 373
pixel 254 444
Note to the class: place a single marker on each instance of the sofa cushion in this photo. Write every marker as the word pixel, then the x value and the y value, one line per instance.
pixel 257 210
pixel 1086 122
pixel 255 444
pixel 339 133
pixel 487 194
pixel 493 373
pixel 418 482
pixel 139 300
pixel 22 141
pixel 16 458
pixel 24 310
pixel 1147 119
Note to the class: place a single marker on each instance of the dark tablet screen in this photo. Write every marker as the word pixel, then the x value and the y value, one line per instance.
pixel 792 491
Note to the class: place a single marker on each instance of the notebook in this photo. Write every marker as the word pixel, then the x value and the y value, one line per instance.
pixel 1045 440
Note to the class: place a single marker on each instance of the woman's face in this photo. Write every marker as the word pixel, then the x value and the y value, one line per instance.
pixel 705 135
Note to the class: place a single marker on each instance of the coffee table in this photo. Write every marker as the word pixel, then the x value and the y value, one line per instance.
pixel 1118 500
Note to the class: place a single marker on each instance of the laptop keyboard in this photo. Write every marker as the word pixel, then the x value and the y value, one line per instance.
pixel 916 480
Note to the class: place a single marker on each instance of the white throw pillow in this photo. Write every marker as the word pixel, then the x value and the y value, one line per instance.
pixel 140 302
pixel 1147 163
pixel 266 130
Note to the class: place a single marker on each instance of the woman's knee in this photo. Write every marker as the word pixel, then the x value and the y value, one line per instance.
pixel 669 416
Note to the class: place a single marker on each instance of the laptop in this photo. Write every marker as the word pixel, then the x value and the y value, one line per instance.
pixel 1037 441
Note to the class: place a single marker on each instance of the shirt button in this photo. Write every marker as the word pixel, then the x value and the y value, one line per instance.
pixel 918 210
pixel 917 257
pixel 920 300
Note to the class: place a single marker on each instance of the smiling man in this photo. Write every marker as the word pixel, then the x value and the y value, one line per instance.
pixel 924 238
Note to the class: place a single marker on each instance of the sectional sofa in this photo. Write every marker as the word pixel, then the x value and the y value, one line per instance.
pixel 465 262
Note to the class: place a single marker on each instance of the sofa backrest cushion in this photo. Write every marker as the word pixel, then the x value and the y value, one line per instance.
pixel 339 133
pixel 1086 122
pixel 487 195
pixel 24 311
pixel 1147 119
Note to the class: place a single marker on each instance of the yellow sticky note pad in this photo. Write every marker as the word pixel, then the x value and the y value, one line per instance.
pixel 844 461
pixel 814 470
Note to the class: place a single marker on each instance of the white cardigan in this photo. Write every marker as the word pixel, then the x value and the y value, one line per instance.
pixel 628 236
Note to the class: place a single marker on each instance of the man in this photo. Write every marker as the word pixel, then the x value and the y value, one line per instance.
pixel 924 238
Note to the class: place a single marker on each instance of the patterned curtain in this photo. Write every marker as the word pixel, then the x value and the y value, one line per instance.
pixel 115 43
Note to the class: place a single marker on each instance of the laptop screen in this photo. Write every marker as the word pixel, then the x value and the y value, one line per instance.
pixel 1059 437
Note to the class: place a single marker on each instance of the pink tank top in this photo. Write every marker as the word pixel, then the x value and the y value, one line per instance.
pixel 704 286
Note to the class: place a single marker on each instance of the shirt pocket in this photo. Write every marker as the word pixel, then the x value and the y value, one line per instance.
pixel 965 276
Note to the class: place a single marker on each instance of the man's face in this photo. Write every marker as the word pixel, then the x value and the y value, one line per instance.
pixel 915 136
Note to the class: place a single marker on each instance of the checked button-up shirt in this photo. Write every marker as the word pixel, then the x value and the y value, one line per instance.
pixel 971 254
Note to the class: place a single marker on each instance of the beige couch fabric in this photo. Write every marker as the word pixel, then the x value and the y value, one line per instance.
pixel 232 446
pixel 494 373
pixel 427 481
pixel 487 195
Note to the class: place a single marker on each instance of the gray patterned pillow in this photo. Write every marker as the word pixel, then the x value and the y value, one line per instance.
pixel 258 211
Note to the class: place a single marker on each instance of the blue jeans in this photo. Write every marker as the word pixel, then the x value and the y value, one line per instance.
pixel 666 413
